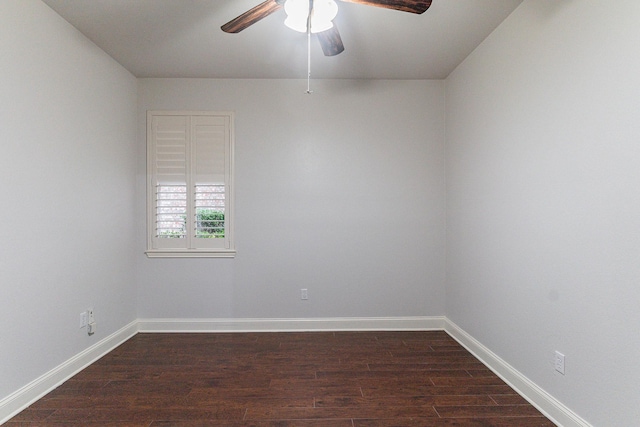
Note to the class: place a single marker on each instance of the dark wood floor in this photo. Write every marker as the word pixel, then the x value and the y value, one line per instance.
pixel 341 379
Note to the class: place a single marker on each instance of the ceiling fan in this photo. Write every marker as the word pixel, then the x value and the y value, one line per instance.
pixel 316 16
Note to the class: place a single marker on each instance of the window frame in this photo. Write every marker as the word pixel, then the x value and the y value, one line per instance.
pixel 228 250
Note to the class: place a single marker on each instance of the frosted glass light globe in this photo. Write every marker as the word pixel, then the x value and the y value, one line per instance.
pixel 323 12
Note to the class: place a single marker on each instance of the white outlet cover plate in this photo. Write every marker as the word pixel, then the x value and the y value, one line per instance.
pixel 84 319
pixel 559 362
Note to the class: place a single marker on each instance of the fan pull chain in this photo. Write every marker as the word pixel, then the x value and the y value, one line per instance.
pixel 309 91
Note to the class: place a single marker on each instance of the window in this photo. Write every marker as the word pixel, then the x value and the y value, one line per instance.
pixel 190 184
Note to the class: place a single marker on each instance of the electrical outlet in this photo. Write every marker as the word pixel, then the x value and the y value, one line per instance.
pixel 91 326
pixel 304 294
pixel 559 362
pixel 84 319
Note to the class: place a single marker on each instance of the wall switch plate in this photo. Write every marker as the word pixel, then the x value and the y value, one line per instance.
pixel 304 294
pixel 90 315
pixel 84 319
pixel 559 362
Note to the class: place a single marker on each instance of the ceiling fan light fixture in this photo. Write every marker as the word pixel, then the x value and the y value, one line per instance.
pixel 297 12
pixel 322 13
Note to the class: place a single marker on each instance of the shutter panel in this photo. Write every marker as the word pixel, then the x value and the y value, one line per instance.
pixel 210 145
pixel 171 145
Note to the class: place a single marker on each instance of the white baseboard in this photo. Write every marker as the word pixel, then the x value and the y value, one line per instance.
pixel 25 396
pixel 551 407
pixel 292 325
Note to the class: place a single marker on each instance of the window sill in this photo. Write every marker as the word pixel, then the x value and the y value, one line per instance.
pixel 171 253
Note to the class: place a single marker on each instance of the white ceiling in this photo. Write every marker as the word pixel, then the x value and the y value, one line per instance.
pixel 182 38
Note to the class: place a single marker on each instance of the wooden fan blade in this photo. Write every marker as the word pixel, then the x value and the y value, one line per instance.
pixel 252 16
pixel 331 41
pixel 413 6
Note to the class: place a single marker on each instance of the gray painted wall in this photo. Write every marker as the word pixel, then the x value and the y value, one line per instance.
pixel 340 192
pixel 543 212
pixel 67 173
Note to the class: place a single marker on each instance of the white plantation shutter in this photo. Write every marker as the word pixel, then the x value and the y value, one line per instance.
pixel 210 175
pixel 170 138
pixel 210 137
pixel 169 168
pixel 190 157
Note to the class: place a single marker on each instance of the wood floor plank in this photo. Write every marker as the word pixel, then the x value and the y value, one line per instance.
pixel 354 401
pixel 279 423
pixel 388 412
pixel 476 422
pixel 324 379
pixel 83 423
